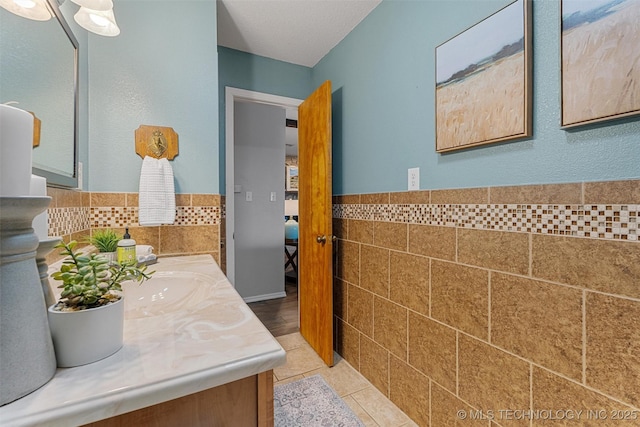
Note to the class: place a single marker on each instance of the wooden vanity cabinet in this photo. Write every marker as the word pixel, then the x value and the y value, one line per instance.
pixel 246 402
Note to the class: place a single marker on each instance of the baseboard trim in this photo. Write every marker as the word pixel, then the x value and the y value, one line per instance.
pixel 265 297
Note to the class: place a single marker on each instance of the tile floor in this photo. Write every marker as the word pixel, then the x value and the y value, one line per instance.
pixel 369 404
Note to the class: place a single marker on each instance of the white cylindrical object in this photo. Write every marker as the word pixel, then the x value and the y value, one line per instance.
pixel 38 187
pixel 16 144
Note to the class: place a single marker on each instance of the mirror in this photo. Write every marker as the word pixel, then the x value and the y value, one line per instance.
pixel 39 70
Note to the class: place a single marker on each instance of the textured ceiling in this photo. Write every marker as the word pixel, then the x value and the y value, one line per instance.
pixel 297 31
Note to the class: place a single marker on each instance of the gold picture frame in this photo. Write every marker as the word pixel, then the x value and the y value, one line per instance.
pixel 484 81
pixel 600 61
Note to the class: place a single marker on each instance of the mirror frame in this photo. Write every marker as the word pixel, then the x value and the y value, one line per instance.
pixel 56 179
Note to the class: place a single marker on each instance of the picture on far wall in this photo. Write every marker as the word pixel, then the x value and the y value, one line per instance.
pixel 600 52
pixel 483 81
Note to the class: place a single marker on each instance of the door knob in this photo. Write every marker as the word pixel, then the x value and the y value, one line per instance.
pixel 321 239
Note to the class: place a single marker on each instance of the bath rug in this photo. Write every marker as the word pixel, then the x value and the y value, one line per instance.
pixel 311 402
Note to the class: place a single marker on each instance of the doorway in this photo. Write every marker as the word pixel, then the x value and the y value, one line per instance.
pixel 234 97
pixel 315 231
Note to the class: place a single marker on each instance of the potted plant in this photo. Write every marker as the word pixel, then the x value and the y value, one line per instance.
pixel 106 241
pixel 87 322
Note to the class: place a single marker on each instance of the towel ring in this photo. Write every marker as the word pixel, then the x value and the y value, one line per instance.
pixel 156 141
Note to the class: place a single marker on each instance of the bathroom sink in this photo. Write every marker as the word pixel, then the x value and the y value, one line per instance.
pixel 166 292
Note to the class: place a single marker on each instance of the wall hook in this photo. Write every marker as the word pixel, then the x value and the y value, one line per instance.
pixel 156 141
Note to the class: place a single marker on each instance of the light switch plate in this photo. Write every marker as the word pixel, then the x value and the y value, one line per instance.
pixel 414 179
pixel 249 196
pixel 273 196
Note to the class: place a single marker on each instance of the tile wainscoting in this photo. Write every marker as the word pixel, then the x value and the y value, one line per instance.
pixel 504 301
pixel 197 229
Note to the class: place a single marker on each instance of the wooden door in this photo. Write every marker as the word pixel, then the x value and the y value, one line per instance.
pixel 315 244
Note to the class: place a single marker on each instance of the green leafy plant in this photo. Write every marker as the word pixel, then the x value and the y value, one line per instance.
pixel 90 281
pixel 104 239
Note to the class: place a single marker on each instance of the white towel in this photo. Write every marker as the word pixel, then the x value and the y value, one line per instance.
pixel 157 198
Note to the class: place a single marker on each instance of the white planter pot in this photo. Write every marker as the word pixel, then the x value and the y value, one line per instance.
pixel 86 336
pixel 110 256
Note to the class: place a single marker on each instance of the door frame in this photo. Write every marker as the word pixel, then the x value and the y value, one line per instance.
pixel 232 95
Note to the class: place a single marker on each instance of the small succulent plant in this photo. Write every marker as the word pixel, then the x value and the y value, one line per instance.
pixel 104 239
pixel 90 281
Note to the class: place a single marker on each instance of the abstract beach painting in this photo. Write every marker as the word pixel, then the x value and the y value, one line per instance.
pixel 600 52
pixel 483 81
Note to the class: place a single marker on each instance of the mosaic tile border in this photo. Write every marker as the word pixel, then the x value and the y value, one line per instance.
pixel 69 220
pixel 66 221
pixel 611 222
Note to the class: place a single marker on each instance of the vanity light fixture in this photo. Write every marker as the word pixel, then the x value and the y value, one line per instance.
pixel 38 10
pixel 101 22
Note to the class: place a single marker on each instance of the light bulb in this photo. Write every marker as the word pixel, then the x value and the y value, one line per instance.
pixel 27 4
pixel 99 20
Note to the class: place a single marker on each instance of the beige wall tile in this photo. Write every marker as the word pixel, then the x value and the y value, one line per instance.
pixel 340 298
pixel 132 199
pixel 348 267
pixel 554 393
pixel 349 199
pixel 183 199
pixel 68 198
pixel 460 297
pixel 143 236
pixel 498 250
pixel 360 310
pixel 206 200
pixel 612 267
pixel 537 194
pixel 432 350
pixel 409 281
pixel 189 239
pixel 613 346
pixel 340 228
pixel 422 197
pixel 446 410
pixel 491 379
pixel 108 199
pixel 612 192
pixel 391 235
pixel 348 343
pixel 374 199
pixel 86 199
pixel 54 193
pixel 539 321
pixel 433 241
pixel 390 326
pixel 409 389
pixel 460 196
pixel 374 269
pixel 361 231
pixel 374 364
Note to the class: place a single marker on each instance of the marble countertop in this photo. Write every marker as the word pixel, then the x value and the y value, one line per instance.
pixel 201 342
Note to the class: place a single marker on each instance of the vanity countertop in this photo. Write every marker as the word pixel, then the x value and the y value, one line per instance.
pixel 202 341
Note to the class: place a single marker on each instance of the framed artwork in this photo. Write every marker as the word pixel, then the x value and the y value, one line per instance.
pixel 483 81
pixel 600 60
pixel 291 178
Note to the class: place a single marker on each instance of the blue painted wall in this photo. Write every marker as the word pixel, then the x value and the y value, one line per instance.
pixel 161 70
pixel 383 76
pixel 252 72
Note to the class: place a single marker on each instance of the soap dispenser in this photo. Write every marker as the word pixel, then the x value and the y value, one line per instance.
pixel 126 251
